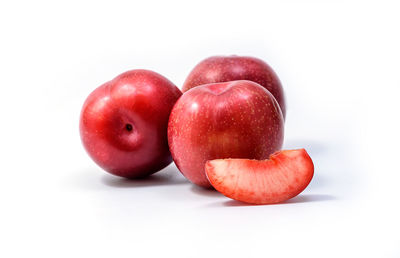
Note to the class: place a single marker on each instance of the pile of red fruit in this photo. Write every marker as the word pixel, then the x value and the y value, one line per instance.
pixel 225 131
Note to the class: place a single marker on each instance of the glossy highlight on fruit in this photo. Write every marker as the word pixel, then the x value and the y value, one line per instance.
pixel 281 177
pixel 123 123
pixel 230 68
pixel 238 119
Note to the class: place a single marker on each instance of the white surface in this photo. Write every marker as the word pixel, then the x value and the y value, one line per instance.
pixel 338 61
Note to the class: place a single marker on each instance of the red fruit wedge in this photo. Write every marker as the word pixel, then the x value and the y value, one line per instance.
pixel 281 177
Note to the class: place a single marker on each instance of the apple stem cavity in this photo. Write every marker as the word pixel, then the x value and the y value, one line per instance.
pixel 128 127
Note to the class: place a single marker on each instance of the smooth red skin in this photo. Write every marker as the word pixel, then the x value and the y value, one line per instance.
pixel 238 119
pixel 141 98
pixel 229 68
pixel 281 177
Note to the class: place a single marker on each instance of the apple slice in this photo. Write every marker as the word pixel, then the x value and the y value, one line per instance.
pixel 283 176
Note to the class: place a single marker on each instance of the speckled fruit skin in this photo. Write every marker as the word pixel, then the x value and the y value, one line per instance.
pixel 230 68
pixel 238 119
pixel 281 177
pixel 123 123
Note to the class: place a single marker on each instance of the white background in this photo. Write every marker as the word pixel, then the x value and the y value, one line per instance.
pixel 339 64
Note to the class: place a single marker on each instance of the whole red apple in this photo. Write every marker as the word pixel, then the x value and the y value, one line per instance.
pixel 231 68
pixel 238 119
pixel 123 123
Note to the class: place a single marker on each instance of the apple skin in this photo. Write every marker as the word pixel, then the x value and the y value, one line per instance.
pixel 237 119
pixel 123 123
pixel 230 68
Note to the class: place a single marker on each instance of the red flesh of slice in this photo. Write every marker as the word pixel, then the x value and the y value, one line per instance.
pixel 283 176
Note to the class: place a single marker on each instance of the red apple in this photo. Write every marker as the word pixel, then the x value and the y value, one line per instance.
pixel 231 68
pixel 123 123
pixel 283 176
pixel 238 119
